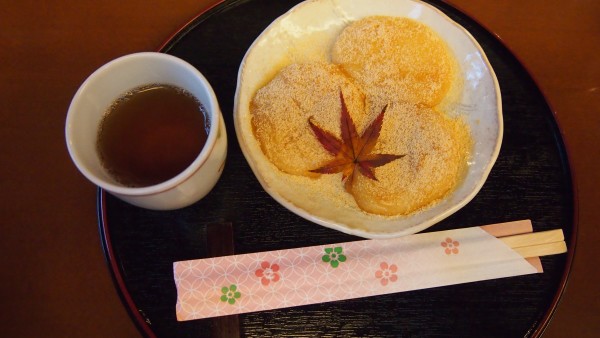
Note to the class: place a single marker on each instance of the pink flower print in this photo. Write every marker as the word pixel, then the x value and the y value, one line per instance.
pixel 451 246
pixel 387 273
pixel 267 273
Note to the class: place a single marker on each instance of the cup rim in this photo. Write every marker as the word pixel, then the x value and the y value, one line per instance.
pixel 213 111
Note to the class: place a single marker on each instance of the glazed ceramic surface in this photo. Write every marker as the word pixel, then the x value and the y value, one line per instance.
pixel 110 81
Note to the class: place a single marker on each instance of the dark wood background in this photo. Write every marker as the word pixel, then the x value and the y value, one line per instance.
pixel 54 280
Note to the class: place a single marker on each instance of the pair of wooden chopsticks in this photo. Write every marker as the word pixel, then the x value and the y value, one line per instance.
pixel 531 245
pixel 537 244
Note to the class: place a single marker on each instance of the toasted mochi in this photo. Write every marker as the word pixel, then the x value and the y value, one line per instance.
pixel 436 149
pixel 280 112
pixel 396 59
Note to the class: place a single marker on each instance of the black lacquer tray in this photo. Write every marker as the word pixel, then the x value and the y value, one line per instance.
pixel 531 180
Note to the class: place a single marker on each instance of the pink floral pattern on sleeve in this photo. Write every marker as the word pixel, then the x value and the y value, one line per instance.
pixel 226 285
pixel 451 246
pixel 268 273
pixel 386 273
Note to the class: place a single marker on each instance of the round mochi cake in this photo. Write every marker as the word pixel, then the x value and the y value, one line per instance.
pixel 396 59
pixel 281 110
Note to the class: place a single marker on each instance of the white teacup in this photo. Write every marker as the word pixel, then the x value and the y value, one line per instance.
pixel 111 81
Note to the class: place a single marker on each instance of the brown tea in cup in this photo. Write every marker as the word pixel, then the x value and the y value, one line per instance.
pixel 151 133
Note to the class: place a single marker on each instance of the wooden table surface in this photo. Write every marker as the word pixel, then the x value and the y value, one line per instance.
pixel 54 281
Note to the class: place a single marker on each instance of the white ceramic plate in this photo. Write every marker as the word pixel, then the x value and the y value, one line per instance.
pixel 305 33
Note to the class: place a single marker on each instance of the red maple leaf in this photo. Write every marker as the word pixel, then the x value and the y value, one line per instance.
pixel 352 151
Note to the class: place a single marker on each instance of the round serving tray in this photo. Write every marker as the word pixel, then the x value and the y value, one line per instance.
pixel 530 180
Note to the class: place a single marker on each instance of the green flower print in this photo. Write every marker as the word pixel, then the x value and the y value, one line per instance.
pixel 230 294
pixel 333 256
